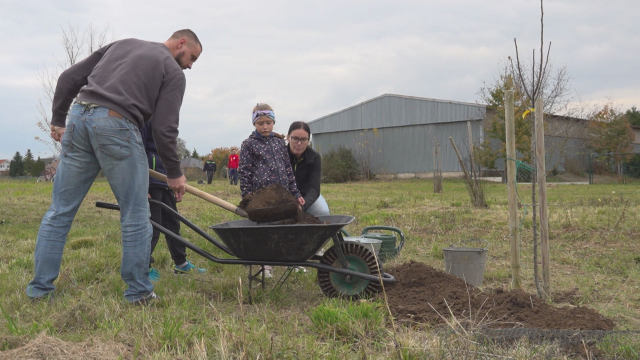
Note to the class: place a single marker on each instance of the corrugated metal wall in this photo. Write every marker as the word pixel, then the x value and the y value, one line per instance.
pixel 394 110
pixel 396 134
pixel 405 149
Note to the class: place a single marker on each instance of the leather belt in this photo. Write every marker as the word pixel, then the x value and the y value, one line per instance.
pixel 115 114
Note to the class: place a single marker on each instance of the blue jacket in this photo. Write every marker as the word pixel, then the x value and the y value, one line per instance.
pixel 152 155
pixel 264 160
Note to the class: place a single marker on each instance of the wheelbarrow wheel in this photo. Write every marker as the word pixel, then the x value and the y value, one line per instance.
pixel 358 259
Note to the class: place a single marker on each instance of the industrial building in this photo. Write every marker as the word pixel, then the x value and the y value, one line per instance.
pixel 396 134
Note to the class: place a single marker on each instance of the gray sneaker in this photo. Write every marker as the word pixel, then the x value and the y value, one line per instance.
pixel 148 300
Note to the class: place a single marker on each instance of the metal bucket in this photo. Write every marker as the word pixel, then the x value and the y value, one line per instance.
pixel 372 244
pixel 467 263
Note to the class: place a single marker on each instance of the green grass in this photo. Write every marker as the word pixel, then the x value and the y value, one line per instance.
pixel 594 246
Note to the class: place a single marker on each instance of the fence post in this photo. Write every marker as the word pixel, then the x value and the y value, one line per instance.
pixel 542 189
pixel 514 231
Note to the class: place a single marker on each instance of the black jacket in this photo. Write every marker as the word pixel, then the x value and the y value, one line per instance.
pixel 307 171
pixel 209 165
pixel 152 155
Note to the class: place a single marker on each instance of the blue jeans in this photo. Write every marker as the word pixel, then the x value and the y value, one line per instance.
pixel 233 176
pixel 319 207
pixel 93 140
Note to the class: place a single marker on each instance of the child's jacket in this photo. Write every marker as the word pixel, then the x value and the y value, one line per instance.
pixel 265 161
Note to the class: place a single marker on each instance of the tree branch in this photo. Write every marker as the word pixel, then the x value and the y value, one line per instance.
pixel 519 68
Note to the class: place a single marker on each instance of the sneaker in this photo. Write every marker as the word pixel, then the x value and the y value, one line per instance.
pixel 267 272
pixel 187 269
pixel 154 275
pixel 147 300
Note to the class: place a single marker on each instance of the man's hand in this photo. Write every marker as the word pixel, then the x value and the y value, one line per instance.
pixel 178 186
pixel 57 132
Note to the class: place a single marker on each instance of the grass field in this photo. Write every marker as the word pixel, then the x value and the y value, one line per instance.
pixel 595 255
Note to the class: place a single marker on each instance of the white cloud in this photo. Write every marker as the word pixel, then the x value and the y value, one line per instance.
pixel 308 59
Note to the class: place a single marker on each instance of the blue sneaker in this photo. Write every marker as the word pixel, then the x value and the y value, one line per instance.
pixel 187 269
pixel 154 275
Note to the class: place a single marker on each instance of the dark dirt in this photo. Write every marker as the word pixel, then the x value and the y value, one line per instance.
pixel 269 204
pixel 275 204
pixel 420 287
pixel 269 196
pixel 304 218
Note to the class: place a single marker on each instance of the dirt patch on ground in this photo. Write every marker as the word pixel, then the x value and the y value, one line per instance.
pixel 47 347
pixel 425 295
pixel 274 203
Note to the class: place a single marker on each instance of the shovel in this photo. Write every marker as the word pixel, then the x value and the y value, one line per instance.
pixel 203 195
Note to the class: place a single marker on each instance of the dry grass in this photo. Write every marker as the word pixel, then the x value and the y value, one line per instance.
pixel 593 239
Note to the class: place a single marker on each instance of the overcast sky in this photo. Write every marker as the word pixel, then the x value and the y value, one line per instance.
pixel 311 58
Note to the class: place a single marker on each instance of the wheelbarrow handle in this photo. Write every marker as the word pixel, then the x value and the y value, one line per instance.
pixel 388 228
pixel 106 205
pixel 203 195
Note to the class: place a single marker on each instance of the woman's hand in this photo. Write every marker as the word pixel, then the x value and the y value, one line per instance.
pixel 300 201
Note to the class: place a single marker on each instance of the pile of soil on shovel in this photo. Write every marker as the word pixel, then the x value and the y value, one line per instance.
pixel 421 292
pixel 276 195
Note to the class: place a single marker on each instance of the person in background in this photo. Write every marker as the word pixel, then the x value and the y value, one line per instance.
pixel 210 167
pixel 232 167
pixel 159 191
pixel 264 159
pixel 307 168
pixel 116 90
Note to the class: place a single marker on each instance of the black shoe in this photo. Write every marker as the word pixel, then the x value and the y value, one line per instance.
pixel 148 300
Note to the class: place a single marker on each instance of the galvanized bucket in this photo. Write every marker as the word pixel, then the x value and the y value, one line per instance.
pixel 467 263
pixel 373 245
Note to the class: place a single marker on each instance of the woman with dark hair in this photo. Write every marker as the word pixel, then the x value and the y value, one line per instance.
pixel 306 165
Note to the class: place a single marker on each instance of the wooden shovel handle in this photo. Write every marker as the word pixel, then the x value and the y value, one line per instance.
pixel 203 195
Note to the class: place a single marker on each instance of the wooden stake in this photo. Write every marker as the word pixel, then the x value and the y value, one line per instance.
pixel 514 231
pixel 437 169
pixel 542 188
pixel 470 145
pixel 464 169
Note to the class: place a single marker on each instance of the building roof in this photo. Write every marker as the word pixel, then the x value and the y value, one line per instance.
pixel 191 162
pixel 392 110
pixel 52 165
pixel 2 161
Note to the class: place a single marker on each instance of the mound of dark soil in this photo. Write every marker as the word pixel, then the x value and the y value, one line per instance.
pixel 423 294
pixel 269 196
pixel 305 218
pixel 280 202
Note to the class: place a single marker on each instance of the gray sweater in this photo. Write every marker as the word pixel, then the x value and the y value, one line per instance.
pixel 135 78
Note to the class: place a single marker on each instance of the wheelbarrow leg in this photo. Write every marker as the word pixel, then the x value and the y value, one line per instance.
pixel 283 278
pixel 338 240
pixel 258 277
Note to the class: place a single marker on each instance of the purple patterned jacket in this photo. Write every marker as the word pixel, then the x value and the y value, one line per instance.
pixel 265 161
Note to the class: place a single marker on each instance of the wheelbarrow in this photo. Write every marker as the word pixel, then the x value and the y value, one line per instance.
pixel 346 269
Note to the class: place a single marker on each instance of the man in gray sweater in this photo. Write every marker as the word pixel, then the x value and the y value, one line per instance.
pixel 118 88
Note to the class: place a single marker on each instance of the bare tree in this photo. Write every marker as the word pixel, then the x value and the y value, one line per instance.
pixel 533 80
pixel 77 45
pixel 183 152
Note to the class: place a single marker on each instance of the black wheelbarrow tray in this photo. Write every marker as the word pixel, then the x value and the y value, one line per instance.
pixel 346 269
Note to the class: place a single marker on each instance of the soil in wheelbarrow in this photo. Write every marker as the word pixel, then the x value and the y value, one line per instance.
pixel 279 199
pixel 424 295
